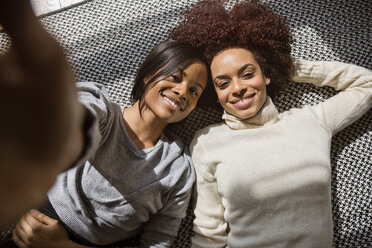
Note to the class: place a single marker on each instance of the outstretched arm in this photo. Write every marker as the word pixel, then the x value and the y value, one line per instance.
pixel 41 122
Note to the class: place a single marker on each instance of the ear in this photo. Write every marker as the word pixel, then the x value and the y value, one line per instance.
pixel 267 80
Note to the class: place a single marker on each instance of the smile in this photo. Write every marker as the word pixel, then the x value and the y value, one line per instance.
pixel 245 102
pixel 173 104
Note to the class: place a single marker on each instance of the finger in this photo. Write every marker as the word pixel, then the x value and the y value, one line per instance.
pixel 22 232
pixel 28 35
pixel 13 14
pixel 18 241
pixel 45 219
pixel 20 235
pixel 24 225
pixel 32 221
pixel 11 75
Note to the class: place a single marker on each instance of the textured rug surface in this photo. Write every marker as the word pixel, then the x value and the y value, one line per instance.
pixel 106 40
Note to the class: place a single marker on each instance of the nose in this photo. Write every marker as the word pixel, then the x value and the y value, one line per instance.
pixel 238 88
pixel 180 90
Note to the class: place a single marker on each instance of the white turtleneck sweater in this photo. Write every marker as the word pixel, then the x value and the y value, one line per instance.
pixel 266 181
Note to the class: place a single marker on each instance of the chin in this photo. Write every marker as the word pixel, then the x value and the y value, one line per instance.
pixel 169 118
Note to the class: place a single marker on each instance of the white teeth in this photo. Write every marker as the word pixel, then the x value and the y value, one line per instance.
pixel 243 100
pixel 171 102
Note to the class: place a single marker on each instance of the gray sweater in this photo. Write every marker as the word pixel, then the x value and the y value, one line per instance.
pixel 122 191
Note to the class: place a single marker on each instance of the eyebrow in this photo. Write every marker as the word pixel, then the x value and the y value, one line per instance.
pixel 245 67
pixel 241 69
pixel 198 84
pixel 184 74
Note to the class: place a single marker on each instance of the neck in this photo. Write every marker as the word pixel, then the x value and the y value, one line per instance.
pixel 143 128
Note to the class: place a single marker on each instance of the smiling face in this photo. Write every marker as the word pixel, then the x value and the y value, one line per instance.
pixel 239 82
pixel 172 98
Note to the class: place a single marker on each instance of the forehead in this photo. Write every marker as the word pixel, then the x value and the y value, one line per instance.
pixel 197 71
pixel 196 67
pixel 231 60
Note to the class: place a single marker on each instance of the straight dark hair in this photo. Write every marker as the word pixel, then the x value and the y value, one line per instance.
pixel 164 59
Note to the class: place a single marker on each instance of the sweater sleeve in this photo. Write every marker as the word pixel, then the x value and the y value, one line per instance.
pixel 354 82
pixel 210 227
pixel 96 100
pixel 98 118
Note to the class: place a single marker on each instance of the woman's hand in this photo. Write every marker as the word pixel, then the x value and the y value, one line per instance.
pixel 41 119
pixel 36 229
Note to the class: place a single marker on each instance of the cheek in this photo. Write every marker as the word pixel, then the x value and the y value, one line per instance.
pixel 221 98
pixel 182 115
pixel 192 104
pixel 149 97
pixel 221 94
pixel 258 83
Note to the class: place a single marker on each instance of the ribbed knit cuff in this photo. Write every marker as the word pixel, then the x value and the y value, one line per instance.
pixel 306 71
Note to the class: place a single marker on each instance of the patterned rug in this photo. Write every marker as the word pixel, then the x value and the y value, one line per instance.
pixel 106 40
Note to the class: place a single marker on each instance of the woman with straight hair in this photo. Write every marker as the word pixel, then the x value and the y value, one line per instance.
pixel 136 178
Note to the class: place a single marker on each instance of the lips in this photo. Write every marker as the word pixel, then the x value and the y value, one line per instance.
pixel 244 102
pixel 173 103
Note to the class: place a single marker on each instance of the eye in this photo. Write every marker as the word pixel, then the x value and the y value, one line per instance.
pixel 194 91
pixel 248 75
pixel 222 84
pixel 175 78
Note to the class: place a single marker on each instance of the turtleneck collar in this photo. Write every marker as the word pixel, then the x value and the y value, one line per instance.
pixel 267 115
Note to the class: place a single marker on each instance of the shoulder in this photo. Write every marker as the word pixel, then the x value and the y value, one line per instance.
pixel 208 134
pixel 177 154
pixel 206 143
pixel 301 113
pixel 95 89
pixel 173 140
pixel 305 117
pixel 95 97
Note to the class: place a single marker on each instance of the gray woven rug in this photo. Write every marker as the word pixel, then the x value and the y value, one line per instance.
pixel 106 40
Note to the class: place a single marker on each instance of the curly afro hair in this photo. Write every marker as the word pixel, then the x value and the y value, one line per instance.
pixel 250 25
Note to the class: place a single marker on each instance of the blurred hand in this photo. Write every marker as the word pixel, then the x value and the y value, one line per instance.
pixel 36 229
pixel 41 119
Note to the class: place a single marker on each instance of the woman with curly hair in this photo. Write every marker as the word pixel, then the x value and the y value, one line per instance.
pixel 263 177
